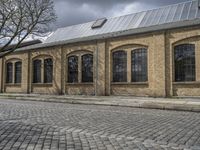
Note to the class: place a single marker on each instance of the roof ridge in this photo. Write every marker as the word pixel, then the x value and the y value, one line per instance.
pixel 75 25
pixel 138 22
pixel 162 7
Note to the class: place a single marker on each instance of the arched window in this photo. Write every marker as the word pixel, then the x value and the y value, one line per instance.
pixel 18 72
pixel 37 71
pixel 73 69
pixel 120 66
pixel 184 56
pixel 139 65
pixel 9 72
pixel 48 70
pixel 87 68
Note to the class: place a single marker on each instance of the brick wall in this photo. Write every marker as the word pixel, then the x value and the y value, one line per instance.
pixel 1 72
pixel 173 38
pixel 160 66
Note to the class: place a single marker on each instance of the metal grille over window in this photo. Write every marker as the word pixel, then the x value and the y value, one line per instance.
pixel 73 69
pixel 48 70
pixel 18 72
pixel 9 74
pixel 87 68
pixel 139 65
pixel 185 63
pixel 120 66
pixel 37 71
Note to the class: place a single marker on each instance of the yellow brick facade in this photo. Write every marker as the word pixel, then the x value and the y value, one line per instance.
pixel 160 46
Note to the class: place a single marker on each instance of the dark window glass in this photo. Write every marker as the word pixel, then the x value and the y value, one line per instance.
pixel 120 66
pixel 18 72
pixel 37 71
pixel 139 65
pixel 87 68
pixel 9 73
pixel 48 70
pixel 73 69
pixel 185 63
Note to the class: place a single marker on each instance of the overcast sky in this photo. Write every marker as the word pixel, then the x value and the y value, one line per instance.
pixel 70 12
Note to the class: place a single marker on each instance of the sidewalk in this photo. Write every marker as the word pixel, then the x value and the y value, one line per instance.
pixel 184 104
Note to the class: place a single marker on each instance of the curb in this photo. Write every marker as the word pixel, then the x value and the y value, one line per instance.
pixel 145 105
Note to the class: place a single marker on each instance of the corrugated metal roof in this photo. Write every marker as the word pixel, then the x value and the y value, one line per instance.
pixel 178 15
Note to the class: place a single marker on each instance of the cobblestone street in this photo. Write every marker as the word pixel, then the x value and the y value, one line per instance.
pixel 39 125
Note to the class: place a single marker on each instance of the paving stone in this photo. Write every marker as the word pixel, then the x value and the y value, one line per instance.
pixel 38 125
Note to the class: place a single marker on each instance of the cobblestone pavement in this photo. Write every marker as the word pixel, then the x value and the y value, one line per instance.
pixel 37 125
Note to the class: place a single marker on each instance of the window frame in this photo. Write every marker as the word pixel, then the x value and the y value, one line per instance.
pixel 20 73
pixel 126 68
pixel 33 72
pixel 137 50
pixel 9 80
pixel 174 63
pixel 91 80
pixel 42 58
pixel 46 80
pixel 79 54
pixel 67 68
pixel 13 61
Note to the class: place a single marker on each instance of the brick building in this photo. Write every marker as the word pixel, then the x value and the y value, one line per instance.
pixel 150 53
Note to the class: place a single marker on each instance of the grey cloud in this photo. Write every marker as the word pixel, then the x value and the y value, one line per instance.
pixel 71 12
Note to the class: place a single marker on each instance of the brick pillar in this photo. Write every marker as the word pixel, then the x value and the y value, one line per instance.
pixel 1 72
pixel 159 65
pixel 58 80
pixel 63 71
pixel 3 75
pixel 100 68
pixel 25 73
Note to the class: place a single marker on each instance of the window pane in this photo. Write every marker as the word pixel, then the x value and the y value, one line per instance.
pixel 9 73
pixel 37 71
pixel 139 65
pixel 185 63
pixel 48 70
pixel 87 68
pixel 18 72
pixel 73 69
pixel 120 66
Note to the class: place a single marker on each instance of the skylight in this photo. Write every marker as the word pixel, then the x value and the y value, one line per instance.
pixel 99 23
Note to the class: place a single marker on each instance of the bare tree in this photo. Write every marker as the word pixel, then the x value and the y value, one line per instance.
pixel 21 18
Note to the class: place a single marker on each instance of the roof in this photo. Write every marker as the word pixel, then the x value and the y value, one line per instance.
pixel 23 44
pixel 10 48
pixel 172 16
